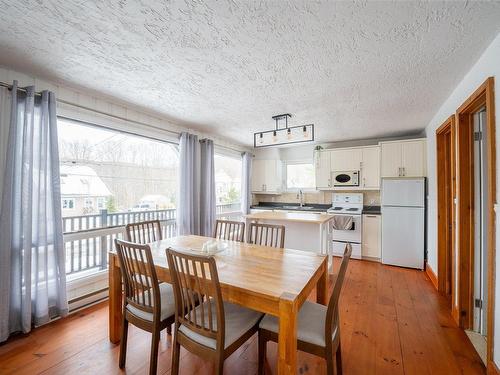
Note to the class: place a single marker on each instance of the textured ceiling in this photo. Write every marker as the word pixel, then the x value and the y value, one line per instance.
pixel 355 69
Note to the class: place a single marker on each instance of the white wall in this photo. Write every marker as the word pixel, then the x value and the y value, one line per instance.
pixel 488 65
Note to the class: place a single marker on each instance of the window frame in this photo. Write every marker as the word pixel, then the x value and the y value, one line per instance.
pixel 285 176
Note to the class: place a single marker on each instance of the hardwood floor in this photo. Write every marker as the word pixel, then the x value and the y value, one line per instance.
pixel 393 322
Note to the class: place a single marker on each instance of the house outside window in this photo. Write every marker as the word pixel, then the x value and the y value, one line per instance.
pixel 68 203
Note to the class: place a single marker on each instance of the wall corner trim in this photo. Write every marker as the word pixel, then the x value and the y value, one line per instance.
pixel 432 275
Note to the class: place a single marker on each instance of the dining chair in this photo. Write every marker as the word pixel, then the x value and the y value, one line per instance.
pixel 147 304
pixel 211 328
pixel 266 235
pixel 229 230
pixel 144 231
pixel 318 328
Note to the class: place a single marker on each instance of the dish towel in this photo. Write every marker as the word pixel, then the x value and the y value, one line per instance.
pixel 342 222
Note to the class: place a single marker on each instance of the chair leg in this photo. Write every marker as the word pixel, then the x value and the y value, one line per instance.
pixel 220 365
pixel 176 351
pixel 262 353
pixel 169 329
pixel 153 362
pixel 338 360
pixel 123 343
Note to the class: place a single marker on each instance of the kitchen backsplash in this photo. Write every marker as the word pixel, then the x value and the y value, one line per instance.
pixel 370 198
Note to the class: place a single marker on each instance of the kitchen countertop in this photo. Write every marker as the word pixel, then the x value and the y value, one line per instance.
pixel 371 210
pixel 291 206
pixel 301 217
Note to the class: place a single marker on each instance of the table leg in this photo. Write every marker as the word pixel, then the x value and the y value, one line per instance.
pixel 115 299
pixel 287 341
pixel 322 286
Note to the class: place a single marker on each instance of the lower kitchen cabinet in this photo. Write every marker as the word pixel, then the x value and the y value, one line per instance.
pixel 371 242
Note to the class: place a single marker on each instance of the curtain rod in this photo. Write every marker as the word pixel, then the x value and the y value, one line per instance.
pixel 3 84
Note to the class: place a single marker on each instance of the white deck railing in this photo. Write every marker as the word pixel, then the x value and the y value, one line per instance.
pixel 88 238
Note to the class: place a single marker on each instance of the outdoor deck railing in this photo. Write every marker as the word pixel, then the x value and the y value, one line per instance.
pixel 88 238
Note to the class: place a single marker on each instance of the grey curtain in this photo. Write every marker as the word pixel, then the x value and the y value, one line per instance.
pixel 32 264
pixel 246 189
pixel 196 199
pixel 188 201
pixel 207 188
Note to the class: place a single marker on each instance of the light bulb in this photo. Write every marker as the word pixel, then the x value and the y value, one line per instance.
pixel 275 137
pixel 305 132
pixel 261 138
pixel 289 134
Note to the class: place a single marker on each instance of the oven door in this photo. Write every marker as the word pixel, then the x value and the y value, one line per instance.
pixel 347 178
pixel 352 235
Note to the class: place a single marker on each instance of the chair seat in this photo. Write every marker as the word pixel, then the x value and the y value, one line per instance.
pixel 167 304
pixel 238 321
pixel 310 324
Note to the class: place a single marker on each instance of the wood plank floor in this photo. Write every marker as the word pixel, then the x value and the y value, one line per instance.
pixel 393 322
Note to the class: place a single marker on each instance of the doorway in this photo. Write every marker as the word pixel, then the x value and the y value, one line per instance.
pixel 446 196
pixel 476 197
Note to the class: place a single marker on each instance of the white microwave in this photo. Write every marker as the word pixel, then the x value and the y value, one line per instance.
pixel 345 178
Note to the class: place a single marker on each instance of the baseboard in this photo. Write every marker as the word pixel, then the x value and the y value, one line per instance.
pixel 432 275
pixel 492 368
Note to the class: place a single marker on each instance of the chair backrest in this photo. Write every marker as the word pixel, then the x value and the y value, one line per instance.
pixel 144 232
pixel 196 282
pixel 332 314
pixel 229 230
pixel 267 235
pixel 139 277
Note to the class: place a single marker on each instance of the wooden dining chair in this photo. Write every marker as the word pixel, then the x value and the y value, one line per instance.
pixel 266 235
pixel 147 304
pixel 229 230
pixel 144 231
pixel 211 328
pixel 318 328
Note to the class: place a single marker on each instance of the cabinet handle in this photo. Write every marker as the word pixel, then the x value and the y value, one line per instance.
pixel 399 172
pixel 374 216
pixel 404 171
pixel 364 182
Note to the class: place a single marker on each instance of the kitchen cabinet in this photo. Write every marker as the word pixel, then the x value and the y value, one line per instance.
pixel 403 158
pixel 347 159
pixel 322 163
pixel 370 168
pixel 266 176
pixel 371 237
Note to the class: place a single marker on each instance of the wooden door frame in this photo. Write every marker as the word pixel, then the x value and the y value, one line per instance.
pixel 444 221
pixel 482 97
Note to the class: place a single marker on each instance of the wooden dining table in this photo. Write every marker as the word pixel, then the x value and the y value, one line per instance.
pixel 270 280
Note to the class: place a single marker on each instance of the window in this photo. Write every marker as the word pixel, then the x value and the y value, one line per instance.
pixel 68 203
pixel 300 175
pixel 115 171
pixel 227 182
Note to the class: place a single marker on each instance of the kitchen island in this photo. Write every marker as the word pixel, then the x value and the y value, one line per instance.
pixel 303 231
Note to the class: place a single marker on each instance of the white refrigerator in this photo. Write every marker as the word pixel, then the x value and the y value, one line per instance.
pixel 403 222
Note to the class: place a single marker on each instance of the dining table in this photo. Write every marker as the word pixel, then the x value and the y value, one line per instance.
pixel 271 280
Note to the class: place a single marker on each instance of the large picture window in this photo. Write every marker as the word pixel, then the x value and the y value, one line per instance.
pixel 227 183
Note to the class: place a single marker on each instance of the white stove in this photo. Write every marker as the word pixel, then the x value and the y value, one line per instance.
pixel 347 204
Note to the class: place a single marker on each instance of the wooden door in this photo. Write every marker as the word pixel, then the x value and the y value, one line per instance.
pixel 370 168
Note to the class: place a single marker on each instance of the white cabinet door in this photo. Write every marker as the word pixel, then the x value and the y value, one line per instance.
pixel 371 243
pixel 414 158
pixel 390 159
pixel 370 168
pixel 258 173
pixel 346 159
pixel 272 178
pixel 322 169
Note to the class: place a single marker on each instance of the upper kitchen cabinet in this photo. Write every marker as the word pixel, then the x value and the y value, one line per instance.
pixel 403 158
pixel 322 164
pixel 346 159
pixel 370 168
pixel 266 176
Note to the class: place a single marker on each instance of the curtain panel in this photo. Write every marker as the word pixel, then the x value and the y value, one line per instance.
pixel 196 199
pixel 246 189
pixel 32 258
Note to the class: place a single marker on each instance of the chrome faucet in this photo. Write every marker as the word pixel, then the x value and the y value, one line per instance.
pixel 300 195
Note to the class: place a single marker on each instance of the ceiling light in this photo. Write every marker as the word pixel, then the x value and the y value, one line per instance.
pixel 284 135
